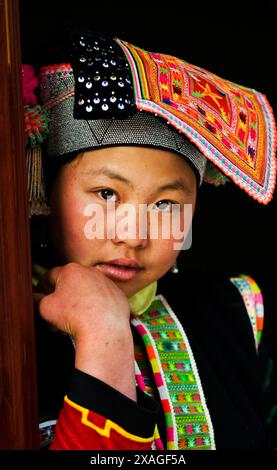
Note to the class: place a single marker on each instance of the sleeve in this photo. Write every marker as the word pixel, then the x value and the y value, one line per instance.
pixel 269 386
pixel 253 301
pixel 95 416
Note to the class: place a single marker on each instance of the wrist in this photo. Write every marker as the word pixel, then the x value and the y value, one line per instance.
pixel 99 354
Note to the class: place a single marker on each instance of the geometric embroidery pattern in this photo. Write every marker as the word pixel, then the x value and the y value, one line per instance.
pixel 188 422
pixel 232 125
pixel 253 301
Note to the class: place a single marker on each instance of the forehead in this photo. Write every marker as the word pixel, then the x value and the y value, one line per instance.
pixel 135 162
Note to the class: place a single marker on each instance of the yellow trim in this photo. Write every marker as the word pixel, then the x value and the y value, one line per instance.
pixel 109 425
pixel 155 365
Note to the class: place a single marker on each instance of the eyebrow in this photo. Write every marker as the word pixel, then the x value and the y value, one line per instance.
pixel 175 185
pixel 178 184
pixel 110 173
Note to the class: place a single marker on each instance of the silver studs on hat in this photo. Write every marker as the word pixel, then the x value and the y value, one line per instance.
pixel 103 80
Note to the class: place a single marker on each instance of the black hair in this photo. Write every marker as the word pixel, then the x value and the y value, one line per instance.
pixel 41 247
pixel 52 167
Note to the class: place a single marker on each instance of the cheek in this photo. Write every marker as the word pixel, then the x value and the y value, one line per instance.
pixel 164 255
pixel 71 216
pixel 171 226
pixel 71 210
pixel 171 234
pixel 94 222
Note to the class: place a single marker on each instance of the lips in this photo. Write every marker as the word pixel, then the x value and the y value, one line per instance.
pixel 129 262
pixel 121 269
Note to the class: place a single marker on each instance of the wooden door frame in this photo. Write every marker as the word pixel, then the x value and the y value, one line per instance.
pixel 18 389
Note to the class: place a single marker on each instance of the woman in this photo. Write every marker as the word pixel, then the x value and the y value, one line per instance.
pixel 162 359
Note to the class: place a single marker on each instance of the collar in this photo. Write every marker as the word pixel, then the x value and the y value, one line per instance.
pixel 142 300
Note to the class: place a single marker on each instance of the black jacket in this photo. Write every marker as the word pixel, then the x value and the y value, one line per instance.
pixel 215 320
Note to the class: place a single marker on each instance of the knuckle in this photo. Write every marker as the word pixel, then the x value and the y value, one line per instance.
pixel 71 268
pixel 44 306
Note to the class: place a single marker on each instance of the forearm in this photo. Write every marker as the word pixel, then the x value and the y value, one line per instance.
pixel 110 359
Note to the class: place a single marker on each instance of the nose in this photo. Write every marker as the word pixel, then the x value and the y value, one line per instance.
pixel 130 226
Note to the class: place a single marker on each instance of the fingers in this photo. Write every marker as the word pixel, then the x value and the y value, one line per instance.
pixel 49 281
pixel 37 299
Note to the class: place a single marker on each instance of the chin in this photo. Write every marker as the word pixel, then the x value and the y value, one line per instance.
pixel 128 290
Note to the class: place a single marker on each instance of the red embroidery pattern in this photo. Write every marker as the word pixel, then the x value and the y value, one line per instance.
pixel 232 125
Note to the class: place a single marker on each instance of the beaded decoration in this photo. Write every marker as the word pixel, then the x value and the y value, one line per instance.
pixel 103 80
pixel 232 125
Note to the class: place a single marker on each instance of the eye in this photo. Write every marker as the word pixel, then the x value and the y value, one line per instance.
pixel 165 205
pixel 107 194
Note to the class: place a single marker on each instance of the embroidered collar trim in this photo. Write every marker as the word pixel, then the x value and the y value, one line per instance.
pixel 188 421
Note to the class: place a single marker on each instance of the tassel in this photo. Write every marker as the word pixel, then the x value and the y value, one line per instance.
pixel 36 129
pixel 36 189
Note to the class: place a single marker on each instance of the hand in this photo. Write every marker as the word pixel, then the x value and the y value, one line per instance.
pixel 80 299
pixel 84 303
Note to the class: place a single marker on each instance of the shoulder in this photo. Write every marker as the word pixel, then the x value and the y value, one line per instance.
pixel 200 287
pixel 212 300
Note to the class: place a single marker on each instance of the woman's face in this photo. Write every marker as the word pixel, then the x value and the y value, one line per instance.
pixel 89 226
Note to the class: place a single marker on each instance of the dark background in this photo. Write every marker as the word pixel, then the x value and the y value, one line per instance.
pixel 234 39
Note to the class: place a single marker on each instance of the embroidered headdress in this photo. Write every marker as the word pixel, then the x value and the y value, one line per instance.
pixel 110 92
